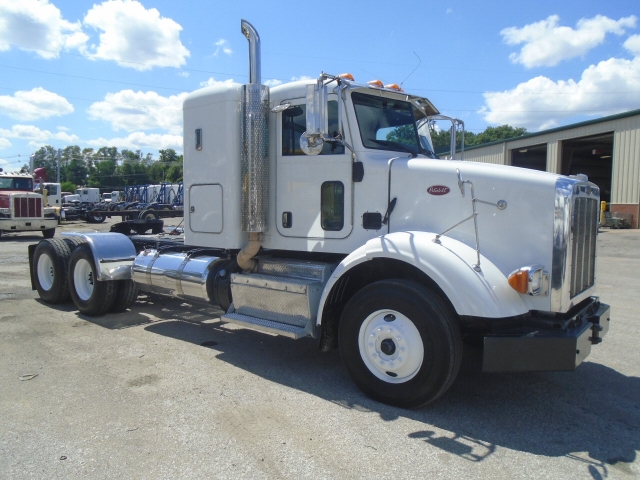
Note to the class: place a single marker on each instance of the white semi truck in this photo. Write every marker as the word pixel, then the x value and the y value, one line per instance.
pixel 23 210
pixel 318 209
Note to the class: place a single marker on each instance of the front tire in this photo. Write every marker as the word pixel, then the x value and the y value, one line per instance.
pixel 91 296
pixel 400 343
pixel 50 266
pixel 96 218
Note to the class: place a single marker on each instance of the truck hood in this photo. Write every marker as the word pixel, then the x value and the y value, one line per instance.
pixel 519 233
pixel 5 196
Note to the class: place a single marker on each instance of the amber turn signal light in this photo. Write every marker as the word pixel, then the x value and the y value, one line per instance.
pixel 519 281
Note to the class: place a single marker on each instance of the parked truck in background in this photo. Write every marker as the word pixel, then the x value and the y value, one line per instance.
pixel 318 209
pixel 88 195
pixel 22 209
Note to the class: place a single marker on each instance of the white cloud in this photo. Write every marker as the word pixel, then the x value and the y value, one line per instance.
pixel 34 104
pixel 212 82
pixel 546 43
pixel 301 77
pixel 38 25
pixel 34 134
pixel 184 74
pixel 633 45
pixel 611 86
pixel 4 143
pixel 135 37
pixel 222 45
pixel 139 140
pixel 132 111
pixel 272 82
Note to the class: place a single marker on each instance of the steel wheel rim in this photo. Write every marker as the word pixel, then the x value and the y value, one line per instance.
pixel 45 272
pixel 83 279
pixel 391 346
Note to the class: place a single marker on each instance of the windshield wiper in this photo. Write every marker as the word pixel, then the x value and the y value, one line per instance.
pixel 394 145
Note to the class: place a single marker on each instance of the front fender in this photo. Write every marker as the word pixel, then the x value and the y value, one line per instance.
pixel 449 264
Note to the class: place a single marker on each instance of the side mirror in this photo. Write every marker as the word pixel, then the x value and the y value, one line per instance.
pixel 312 139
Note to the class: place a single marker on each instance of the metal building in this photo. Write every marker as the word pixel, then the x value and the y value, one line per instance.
pixel 606 149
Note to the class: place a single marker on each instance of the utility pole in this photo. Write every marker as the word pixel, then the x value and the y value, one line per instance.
pixel 58 166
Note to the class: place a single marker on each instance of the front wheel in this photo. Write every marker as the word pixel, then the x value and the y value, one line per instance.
pixel 96 218
pixel 91 296
pixel 400 343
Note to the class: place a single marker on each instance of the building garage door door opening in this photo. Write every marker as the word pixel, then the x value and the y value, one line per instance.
pixel 531 156
pixel 591 156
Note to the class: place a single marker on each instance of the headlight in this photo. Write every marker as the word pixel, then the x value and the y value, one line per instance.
pixel 531 279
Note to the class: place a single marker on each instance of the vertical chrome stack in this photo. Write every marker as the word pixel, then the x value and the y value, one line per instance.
pixel 255 141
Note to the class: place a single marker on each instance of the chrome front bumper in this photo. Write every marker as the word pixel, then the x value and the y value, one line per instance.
pixel 27 224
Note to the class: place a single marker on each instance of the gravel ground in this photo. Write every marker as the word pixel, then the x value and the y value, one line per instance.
pixel 165 390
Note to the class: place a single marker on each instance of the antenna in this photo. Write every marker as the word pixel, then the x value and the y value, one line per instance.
pixel 419 62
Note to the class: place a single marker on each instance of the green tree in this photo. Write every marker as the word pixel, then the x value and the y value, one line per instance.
pixel 493 134
pixel 68 187
pixel 405 134
pixel 46 157
pixel 442 138
pixel 174 174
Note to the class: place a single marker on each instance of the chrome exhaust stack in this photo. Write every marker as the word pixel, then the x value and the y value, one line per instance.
pixel 254 162
pixel 255 141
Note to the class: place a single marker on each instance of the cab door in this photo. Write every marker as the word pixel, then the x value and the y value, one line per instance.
pixel 314 192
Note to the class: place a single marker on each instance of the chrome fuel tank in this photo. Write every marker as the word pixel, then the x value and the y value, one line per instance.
pixel 187 275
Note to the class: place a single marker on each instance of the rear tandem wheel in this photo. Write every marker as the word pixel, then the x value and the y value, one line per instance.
pixel 91 296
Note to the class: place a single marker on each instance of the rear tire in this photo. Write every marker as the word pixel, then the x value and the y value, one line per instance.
pixel 73 242
pixel 50 267
pixel 90 296
pixel 126 296
pixel 400 343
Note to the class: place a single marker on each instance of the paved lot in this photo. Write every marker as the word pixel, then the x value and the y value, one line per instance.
pixel 166 391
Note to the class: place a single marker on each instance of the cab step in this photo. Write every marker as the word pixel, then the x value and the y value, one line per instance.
pixel 264 325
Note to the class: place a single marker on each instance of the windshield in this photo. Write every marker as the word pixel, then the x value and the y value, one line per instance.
pixel 389 124
pixel 9 183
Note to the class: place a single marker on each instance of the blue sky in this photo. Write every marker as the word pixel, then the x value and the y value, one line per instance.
pixel 115 73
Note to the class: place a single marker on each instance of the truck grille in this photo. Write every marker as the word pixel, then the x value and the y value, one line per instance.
pixel 27 207
pixel 583 244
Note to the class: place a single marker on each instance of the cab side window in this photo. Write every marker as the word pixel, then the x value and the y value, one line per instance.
pixel 294 123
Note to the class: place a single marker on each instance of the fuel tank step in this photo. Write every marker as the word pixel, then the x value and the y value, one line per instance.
pixel 287 300
pixel 264 325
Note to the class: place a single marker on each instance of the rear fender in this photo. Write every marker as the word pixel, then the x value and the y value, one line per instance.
pixel 113 254
pixel 449 263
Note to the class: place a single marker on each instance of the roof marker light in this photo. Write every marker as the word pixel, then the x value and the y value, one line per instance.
pixel 394 86
pixel 376 83
pixel 346 76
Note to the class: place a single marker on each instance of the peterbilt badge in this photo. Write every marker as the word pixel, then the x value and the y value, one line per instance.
pixel 438 190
